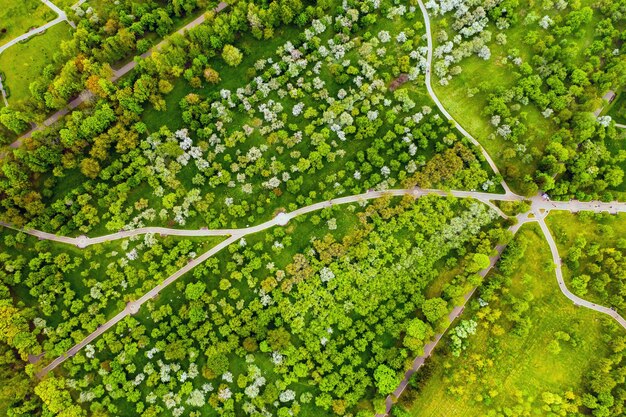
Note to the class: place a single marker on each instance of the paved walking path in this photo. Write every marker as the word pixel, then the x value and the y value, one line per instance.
pixel 283 218
pixel 559 276
pixel 117 74
pixel 59 12
pixel 61 17
pixel 77 4
pixel 133 306
pixel 31 33
pixel 430 347
pixel 621 126
pixel 429 59
pixel 235 234
pixel 539 210
pixel 3 93
pixel 537 204
pixel 538 215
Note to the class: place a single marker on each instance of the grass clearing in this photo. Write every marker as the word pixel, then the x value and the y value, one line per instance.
pixel 17 17
pixel 496 373
pixel 24 62
pixel 617 109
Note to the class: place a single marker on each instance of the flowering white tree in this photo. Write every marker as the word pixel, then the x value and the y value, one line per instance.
pixel 484 52
pixel 196 398
pixel 384 36
pixel 287 395
pixel 326 274
pixel 224 393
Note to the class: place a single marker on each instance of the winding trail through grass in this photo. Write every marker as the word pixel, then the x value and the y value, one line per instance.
pixel 431 92
pixel 60 18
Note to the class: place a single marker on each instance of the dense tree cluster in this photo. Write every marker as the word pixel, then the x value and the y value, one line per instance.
pixel 67 294
pixel 324 315
pixel 275 326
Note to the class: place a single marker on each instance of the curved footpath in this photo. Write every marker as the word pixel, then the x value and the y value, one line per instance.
pixel 537 204
pixel 559 277
pixel 61 16
pixel 429 59
pixel 133 306
pixel 539 210
pixel 84 241
pixel 539 217
pixel 430 347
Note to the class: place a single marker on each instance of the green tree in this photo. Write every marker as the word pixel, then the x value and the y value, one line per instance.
pixel 434 309
pixel 231 55
pixel 386 379
pixel 90 167
pixel 194 291
pixel 479 262
pixel 14 120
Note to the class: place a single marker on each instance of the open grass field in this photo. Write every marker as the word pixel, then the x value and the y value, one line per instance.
pixel 18 16
pixel 63 4
pixel 603 230
pixel 507 368
pixel 24 62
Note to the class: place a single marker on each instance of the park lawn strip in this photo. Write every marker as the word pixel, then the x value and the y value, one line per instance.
pixel 617 109
pixel 604 230
pixel 17 17
pixel 519 367
pixel 24 62
pixel 65 4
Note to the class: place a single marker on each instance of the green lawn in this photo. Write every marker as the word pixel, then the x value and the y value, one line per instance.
pixel 617 109
pixel 24 62
pixel 603 230
pixel 494 372
pixel 64 4
pixel 487 75
pixel 18 16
